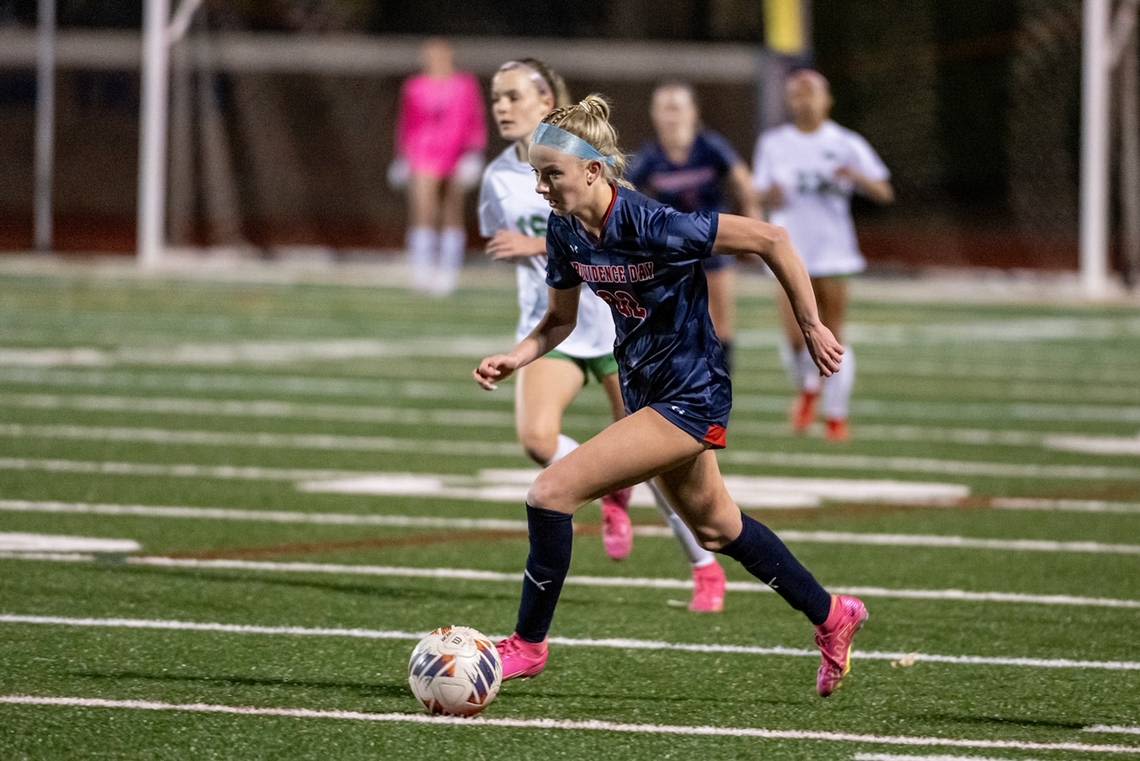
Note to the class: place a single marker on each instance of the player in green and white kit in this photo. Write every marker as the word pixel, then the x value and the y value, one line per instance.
pixel 513 216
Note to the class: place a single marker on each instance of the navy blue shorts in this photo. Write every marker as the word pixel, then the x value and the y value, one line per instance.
pixel 718 262
pixel 711 432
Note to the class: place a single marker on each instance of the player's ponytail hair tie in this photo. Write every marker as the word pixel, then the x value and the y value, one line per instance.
pixel 567 142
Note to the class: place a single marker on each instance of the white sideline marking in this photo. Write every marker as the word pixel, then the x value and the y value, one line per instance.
pixel 592 725
pixel 490 486
pixel 257 352
pixel 472 448
pixel 450 391
pixel 612 643
pixel 282 351
pixel 905 757
pixel 959 542
pixel 818 537
pixel 1065 505
pixel 929 465
pixel 23 542
pixel 259 516
pixel 265 440
pixel 466 574
pixel 276 409
pixel 1104 445
pixel 1110 730
pixel 990 331
pixel 496 485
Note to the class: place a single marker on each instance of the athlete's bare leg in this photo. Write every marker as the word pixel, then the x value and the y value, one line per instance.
pixel 543 391
pixel 831 294
pixel 629 451
pixel 612 386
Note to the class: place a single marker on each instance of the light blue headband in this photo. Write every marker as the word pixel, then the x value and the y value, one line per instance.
pixel 566 142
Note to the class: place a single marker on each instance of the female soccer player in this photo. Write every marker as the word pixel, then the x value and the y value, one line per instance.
pixel 440 137
pixel 806 172
pixel 641 258
pixel 514 217
pixel 687 167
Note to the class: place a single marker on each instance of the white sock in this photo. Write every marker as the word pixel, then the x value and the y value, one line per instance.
pixel 452 247
pixel 423 243
pixel 810 380
pixel 837 390
pixel 697 555
pixel 790 360
pixel 566 445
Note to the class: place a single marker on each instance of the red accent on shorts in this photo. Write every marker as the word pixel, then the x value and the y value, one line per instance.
pixel 717 436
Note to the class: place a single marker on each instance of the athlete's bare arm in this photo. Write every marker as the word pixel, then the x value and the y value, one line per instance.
pixel 555 326
pixel 740 235
pixel 509 244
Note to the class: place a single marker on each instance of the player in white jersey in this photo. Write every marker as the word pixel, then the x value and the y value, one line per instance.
pixel 513 216
pixel 806 172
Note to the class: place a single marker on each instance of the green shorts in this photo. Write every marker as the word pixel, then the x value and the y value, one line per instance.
pixel 599 367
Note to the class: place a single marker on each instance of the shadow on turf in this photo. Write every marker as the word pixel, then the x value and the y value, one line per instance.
pixel 382 588
pixel 1000 721
pixel 377 690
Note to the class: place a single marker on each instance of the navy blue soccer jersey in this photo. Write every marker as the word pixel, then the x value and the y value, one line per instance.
pixel 697 184
pixel 646 268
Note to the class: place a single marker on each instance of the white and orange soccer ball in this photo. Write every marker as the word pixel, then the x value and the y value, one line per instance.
pixel 455 671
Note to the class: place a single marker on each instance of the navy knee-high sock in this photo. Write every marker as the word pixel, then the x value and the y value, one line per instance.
pixel 551 540
pixel 766 557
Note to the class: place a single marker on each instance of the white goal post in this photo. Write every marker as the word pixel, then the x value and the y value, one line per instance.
pixel 1105 40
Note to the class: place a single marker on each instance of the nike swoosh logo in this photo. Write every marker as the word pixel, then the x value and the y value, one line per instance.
pixel 540 584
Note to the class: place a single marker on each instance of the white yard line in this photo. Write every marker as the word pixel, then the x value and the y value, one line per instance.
pixel 620 582
pixel 606 643
pixel 908 757
pixel 1099 445
pixel 459 388
pixel 823 537
pixel 548 724
pixel 255 352
pixel 278 409
pixel 475 448
pixel 1065 505
pixel 930 465
pixel 1111 730
pixel 17 542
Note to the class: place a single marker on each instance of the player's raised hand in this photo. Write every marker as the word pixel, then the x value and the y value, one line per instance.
pixel 825 349
pixel 493 369
pixel 508 244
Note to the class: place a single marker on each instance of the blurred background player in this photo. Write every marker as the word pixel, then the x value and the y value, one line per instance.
pixel 440 137
pixel 641 258
pixel 806 172
pixel 687 167
pixel 514 217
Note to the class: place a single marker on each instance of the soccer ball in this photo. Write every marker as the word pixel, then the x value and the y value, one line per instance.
pixel 455 671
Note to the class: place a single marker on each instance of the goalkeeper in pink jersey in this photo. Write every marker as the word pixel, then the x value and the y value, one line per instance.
pixel 440 136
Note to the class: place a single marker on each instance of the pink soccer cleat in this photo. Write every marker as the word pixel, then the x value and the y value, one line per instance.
pixel 617 531
pixel 834 638
pixel 522 659
pixel 708 589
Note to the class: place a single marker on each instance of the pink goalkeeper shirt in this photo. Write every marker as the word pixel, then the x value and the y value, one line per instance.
pixel 439 121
